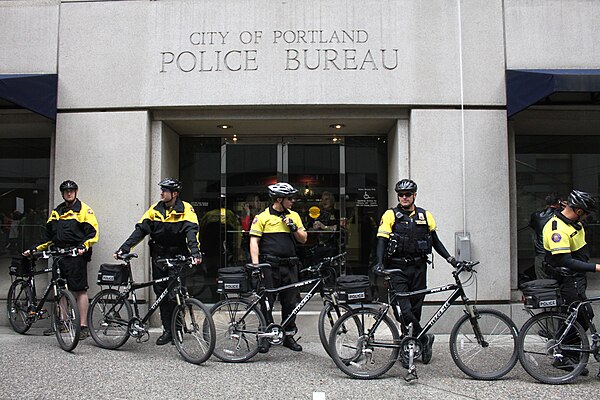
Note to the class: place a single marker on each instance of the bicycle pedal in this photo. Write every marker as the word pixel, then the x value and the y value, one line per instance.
pixel 411 375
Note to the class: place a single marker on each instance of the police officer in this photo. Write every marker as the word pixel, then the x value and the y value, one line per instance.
pixel 72 224
pixel 567 251
pixel 173 228
pixel 406 236
pixel 273 237
pixel 537 221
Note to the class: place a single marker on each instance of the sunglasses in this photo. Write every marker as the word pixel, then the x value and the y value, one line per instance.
pixel 405 194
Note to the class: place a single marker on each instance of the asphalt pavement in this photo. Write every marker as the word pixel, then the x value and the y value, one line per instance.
pixel 34 367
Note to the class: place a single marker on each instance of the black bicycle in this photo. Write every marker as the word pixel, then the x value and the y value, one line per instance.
pixel 553 346
pixel 24 308
pixel 112 320
pixel 240 324
pixel 365 343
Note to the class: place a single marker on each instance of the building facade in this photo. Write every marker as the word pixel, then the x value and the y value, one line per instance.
pixel 337 96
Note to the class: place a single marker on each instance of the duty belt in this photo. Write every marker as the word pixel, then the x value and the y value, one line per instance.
pixel 275 261
pixel 408 260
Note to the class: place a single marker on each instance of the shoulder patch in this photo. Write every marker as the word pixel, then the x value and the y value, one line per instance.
pixel 90 211
pixel 556 237
pixel 255 220
pixel 192 209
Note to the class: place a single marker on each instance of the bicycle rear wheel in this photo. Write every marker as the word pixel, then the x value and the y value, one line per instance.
pixel 327 318
pixel 363 344
pixel 17 305
pixel 108 319
pixel 541 354
pixel 486 347
pixel 193 331
pixel 67 324
pixel 237 339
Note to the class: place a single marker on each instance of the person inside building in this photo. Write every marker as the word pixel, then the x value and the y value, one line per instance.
pixel 537 221
pixel 72 224
pixel 405 239
pixel 326 220
pixel 173 228
pixel 273 236
pixel 568 254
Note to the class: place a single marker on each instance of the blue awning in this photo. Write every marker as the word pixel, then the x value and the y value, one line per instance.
pixel 525 87
pixel 35 92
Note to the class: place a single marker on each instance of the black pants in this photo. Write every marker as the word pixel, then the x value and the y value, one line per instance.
pixel 572 288
pixel 158 271
pixel 413 277
pixel 276 276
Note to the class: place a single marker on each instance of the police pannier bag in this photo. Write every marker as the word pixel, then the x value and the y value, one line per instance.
pixel 541 293
pixel 113 275
pixel 233 280
pixel 20 266
pixel 353 289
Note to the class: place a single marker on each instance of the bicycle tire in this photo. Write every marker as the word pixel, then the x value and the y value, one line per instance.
pixel 108 319
pixel 193 331
pixel 537 345
pixel 358 349
pixel 67 321
pixel 236 340
pixel 327 318
pixel 491 359
pixel 17 305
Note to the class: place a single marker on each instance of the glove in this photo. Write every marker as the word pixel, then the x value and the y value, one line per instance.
pixel 452 261
pixel 293 227
pixel 378 268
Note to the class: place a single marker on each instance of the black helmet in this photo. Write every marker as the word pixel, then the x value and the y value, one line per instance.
pixel 68 185
pixel 406 185
pixel 281 189
pixel 171 184
pixel 582 200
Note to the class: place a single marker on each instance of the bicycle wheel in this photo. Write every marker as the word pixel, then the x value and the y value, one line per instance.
pixel 492 357
pixel 193 331
pixel 237 339
pixel 17 305
pixel 363 344
pixel 108 319
pixel 327 318
pixel 541 354
pixel 67 324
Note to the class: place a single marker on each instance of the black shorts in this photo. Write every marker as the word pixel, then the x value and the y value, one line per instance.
pixel 74 270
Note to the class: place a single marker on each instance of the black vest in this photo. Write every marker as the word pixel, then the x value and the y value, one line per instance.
pixel 414 238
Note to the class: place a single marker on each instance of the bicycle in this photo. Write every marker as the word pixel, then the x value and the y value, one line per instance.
pixel 365 343
pixel 554 348
pixel 241 324
pixel 24 309
pixel 112 320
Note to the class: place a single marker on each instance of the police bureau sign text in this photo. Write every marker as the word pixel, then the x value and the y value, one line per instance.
pixel 339 50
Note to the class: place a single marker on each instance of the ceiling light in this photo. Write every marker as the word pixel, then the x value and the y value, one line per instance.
pixel 337 126
pixel 224 126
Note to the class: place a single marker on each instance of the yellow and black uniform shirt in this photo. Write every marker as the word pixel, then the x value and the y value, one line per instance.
pixel 388 219
pixel 176 227
pixel 562 236
pixel 70 226
pixel 275 236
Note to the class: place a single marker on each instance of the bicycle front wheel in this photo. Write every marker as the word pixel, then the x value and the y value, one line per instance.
pixel 237 326
pixel 364 344
pixel 484 347
pixel 544 356
pixel 193 331
pixel 67 323
pixel 327 318
pixel 17 305
pixel 108 319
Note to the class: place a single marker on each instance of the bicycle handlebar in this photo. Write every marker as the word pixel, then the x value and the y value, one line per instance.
pixel 126 257
pixel 462 266
pixel 324 261
pixel 175 261
pixel 66 252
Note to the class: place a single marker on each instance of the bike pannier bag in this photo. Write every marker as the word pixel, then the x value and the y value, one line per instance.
pixel 233 280
pixel 20 266
pixel 113 275
pixel 353 289
pixel 541 293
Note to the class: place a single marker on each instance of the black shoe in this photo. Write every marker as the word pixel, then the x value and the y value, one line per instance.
pixel 49 332
pixel 427 351
pixel 84 333
pixel 291 344
pixel 568 364
pixel 165 338
pixel 263 346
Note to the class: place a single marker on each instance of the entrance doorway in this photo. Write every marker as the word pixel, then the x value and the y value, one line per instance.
pixel 342 193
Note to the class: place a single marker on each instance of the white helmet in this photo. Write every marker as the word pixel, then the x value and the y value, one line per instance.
pixel 281 189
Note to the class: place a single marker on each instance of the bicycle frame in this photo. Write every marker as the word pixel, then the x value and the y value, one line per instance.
pixel 571 319
pixel 55 283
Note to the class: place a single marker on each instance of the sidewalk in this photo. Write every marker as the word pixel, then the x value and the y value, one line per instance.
pixel 35 367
